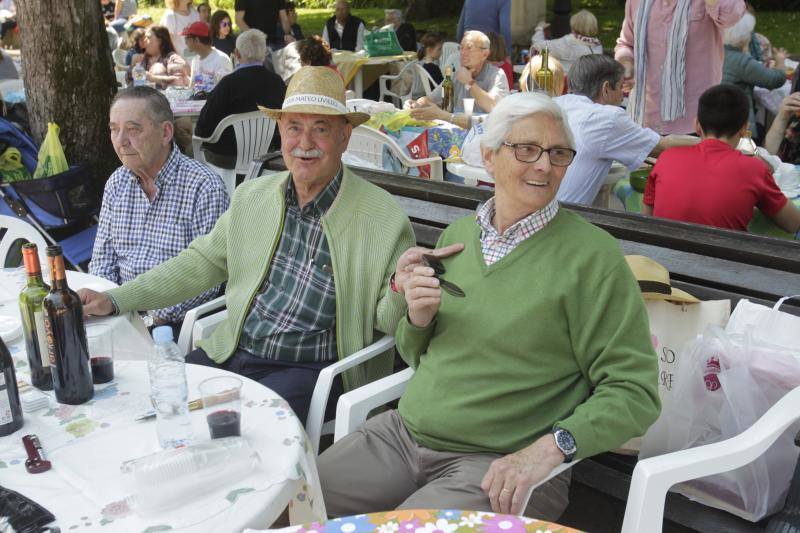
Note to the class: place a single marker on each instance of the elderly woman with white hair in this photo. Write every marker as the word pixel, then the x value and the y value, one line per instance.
pixel 581 41
pixel 544 358
pixel 740 68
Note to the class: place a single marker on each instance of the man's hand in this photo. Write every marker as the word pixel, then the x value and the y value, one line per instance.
pixel 95 303
pixel 429 112
pixel 464 75
pixel 628 74
pixel 412 258
pixel 509 478
pixel 790 106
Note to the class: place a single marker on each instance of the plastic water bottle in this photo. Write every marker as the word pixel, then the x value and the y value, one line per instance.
pixel 168 391
pixel 139 75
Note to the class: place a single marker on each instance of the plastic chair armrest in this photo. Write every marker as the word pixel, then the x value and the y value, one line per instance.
pixel 187 329
pixel 322 389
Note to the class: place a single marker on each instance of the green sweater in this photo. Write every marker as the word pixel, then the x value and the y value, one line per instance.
pixel 555 333
pixel 366 229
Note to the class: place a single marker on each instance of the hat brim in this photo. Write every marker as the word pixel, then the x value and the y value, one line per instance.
pixel 676 295
pixel 355 118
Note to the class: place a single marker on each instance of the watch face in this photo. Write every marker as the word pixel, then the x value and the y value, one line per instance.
pixel 565 442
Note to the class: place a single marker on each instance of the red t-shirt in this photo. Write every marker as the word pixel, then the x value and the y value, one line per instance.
pixel 712 184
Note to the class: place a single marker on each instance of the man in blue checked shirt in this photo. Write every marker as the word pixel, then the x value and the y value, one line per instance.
pixel 157 202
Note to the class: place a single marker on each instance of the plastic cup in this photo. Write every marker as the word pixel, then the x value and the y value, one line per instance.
pixel 469 105
pixel 101 353
pixel 222 406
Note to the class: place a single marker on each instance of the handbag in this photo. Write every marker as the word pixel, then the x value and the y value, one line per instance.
pixel 765 324
pixel 382 43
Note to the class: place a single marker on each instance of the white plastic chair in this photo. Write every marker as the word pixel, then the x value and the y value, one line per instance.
pixel 197 327
pixel 367 144
pixel 13 229
pixel 253 131
pixel 118 54
pixel 450 55
pixel 422 83
pixel 353 407
pixel 653 477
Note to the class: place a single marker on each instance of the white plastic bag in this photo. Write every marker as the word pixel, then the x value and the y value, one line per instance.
pixel 727 382
pixel 771 326
pixel 471 147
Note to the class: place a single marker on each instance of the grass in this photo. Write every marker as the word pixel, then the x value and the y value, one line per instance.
pixel 779 27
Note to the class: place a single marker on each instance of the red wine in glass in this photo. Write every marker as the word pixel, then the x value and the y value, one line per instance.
pixel 225 423
pixel 102 369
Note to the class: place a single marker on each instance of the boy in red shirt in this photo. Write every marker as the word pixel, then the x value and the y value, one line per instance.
pixel 712 183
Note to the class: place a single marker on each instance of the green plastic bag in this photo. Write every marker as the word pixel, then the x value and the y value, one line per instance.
pixel 52 160
pixel 11 167
pixel 382 43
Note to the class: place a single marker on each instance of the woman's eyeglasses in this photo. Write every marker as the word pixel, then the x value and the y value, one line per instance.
pixel 530 153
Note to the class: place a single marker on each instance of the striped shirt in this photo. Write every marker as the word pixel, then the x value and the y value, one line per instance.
pixel 136 234
pixel 496 246
pixel 293 317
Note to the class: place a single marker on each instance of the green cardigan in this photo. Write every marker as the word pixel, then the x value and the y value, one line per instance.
pixel 366 230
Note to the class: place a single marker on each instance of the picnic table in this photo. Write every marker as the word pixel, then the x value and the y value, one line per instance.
pixel 363 70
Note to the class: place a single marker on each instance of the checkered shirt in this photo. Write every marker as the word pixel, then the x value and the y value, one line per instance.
pixel 135 234
pixel 293 317
pixel 495 246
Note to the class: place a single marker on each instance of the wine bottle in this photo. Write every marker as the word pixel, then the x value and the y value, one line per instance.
pixel 448 92
pixel 10 408
pixel 30 306
pixel 544 76
pixel 66 336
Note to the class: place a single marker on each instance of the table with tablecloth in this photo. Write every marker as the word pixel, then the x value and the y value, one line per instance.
pixel 363 70
pixel 431 521
pixel 759 224
pixel 87 444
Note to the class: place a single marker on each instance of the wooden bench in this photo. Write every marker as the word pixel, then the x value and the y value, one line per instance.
pixel 707 262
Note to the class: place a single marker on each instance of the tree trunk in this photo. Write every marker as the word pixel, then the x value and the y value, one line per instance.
pixel 69 78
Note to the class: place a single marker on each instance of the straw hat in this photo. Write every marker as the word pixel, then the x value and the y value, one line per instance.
pixel 316 91
pixel 654 281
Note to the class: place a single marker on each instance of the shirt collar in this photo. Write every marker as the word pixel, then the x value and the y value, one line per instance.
pixel 322 201
pixel 246 65
pixel 521 229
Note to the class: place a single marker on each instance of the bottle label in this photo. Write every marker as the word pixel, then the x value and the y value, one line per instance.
pixel 41 338
pixel 51 349
pixel 6 417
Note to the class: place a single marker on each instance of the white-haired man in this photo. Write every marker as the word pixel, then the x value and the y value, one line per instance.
pixel 476 78
pixel 307 255
pixel 249 86
pixel 545 359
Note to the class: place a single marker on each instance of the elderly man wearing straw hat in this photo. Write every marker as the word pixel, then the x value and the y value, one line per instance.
pixel 307 256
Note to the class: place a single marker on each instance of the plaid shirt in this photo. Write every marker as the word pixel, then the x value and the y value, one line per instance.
pixel 293 317
pixel 495 246
pixel 135 234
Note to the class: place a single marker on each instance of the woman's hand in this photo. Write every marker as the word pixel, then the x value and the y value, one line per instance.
pixel 412 258
pixel 790 106
pixel 423 296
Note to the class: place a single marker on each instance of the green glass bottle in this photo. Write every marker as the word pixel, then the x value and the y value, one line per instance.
pixel 448 90
pixel 30 307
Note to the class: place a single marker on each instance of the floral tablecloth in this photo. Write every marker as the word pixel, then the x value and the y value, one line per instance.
pixel 87 444
pixel 431 521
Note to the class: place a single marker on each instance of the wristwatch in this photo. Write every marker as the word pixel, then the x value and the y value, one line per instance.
pixel 566 443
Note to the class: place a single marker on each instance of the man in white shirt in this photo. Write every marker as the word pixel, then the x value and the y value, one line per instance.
pixel 604 132
pixel 209 65
pixel 344 31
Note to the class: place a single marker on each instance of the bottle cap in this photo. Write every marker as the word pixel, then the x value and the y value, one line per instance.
pixel 162 334
pixel 54 250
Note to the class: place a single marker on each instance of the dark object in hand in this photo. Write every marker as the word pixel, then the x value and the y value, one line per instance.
pixel 438 269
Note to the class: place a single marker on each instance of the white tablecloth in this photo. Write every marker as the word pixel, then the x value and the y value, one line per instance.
pixel 87 444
